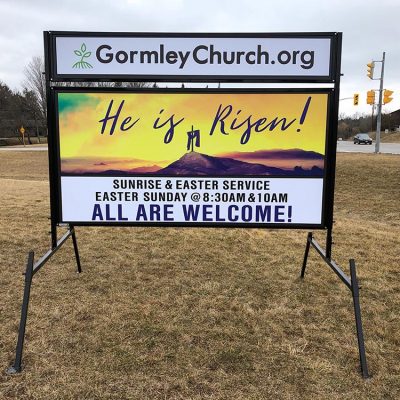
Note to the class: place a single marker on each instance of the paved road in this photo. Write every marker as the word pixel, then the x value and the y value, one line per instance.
pixel 22 148
pixel 342 147
pixel 350 147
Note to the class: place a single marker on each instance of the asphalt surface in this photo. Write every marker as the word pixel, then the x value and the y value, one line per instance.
pixel 350 147
pixel 22 148
pixel 342 147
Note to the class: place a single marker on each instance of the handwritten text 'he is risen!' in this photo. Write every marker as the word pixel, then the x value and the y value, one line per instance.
pixel 226 119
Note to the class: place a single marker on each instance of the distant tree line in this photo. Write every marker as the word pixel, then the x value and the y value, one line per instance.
pixel 19 109
pixel 27 107
pixel 351 125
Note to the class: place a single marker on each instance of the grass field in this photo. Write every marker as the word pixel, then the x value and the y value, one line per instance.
pixel 202 313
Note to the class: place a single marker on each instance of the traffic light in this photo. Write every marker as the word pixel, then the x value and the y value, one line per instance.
pixel 370 70
pixel 355 99
pixel 370 97
pixel 386 96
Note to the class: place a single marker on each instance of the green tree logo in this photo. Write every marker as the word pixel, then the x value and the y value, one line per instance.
pixel 83 54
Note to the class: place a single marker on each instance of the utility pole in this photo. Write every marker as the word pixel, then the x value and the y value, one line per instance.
pixel 372 117
pixel 379 114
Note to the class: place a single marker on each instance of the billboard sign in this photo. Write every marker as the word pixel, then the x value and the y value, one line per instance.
pixel 189 57
pixel 192 157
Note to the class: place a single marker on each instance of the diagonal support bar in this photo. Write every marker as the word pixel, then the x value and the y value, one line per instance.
pixel 46 257
pixel 335 268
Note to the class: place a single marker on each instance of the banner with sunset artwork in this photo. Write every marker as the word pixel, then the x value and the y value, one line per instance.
pixel 188 135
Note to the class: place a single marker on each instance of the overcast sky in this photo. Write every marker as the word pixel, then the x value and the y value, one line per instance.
pixel 369 28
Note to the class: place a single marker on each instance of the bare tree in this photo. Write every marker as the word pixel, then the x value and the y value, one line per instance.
pixel 137 85
pixel 36 82
pixel 29 105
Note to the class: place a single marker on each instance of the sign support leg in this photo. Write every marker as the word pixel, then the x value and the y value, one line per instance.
pixel 351 283
pixel 31 269
pixel 53 234
pixel 329 243
pixel 303 269
pixel 78 260
pixel 357 314
pixel 16 367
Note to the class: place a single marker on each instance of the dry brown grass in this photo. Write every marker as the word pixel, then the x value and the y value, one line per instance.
pixel 202 313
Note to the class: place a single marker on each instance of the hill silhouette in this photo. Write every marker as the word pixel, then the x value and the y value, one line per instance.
pixel 276 154
pixel 201 164
pixel 198 164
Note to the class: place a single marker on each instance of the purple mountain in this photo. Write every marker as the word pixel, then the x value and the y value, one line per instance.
pixel 201 164
pixel 198 164
pixel 278 154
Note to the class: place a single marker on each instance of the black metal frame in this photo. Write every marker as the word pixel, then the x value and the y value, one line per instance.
pixel 31 269
pixel 352 284
pixel 55 180
pixel 329 177
pixel 192 78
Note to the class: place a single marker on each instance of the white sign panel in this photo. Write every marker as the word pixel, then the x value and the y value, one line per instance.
pixel 262 57
pixel 191 200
